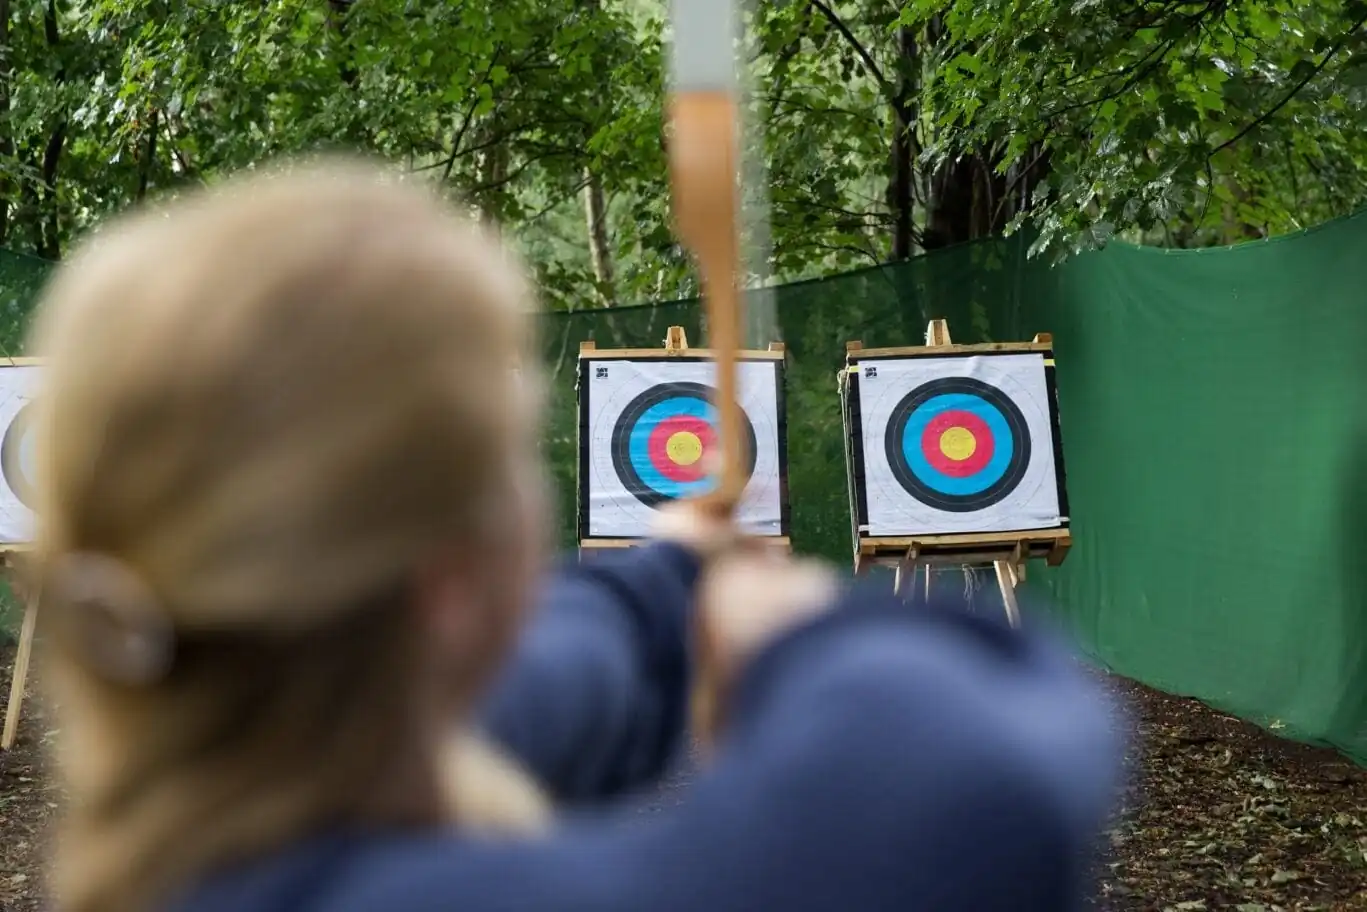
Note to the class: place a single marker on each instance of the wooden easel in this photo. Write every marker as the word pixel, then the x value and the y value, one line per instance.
pixel 1007 552
pixel 25 653
pixel 675 346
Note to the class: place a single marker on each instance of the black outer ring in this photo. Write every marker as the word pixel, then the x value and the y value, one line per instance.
pixel 11 458
pixel 621 437
pixel 950 503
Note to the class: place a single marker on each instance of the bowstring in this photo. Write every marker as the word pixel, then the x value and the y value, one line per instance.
pixel 762 323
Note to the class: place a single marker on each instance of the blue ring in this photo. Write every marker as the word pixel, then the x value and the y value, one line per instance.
pixel 631 438
pixel 1002 444
pixel 638 445
pixel 909 473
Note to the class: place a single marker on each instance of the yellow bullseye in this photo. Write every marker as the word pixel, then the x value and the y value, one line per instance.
pixel 684 448
pixel 958 443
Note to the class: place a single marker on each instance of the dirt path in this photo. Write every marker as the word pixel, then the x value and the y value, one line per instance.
pixel 1219 815
pixel 27 803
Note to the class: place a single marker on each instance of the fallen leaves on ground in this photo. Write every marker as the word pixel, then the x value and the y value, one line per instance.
pixel 28 802
pixel 1220 814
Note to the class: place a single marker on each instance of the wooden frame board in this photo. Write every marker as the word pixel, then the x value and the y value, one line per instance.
pixel 19 681
pixel 24 655
pixel 676 348
pixel 1008 552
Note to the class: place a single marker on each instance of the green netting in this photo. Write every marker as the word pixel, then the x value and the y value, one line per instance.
pixel 1213 421
pixel 21 278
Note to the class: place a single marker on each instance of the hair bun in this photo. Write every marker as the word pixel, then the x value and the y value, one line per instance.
pixel 109 617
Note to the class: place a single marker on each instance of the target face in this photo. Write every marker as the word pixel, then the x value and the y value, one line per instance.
pixel 17 459
pixel 957 444
pixel 648 435
pixel 664 440
pixel 16 456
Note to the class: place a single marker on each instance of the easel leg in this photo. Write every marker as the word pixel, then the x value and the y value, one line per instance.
pixel 927 584
pixel 1006 581
pixel 21 662
pixel 897 579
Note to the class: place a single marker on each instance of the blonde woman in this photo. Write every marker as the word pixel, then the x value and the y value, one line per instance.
pixel 291 526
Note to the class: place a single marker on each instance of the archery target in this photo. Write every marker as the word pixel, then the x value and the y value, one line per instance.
pixel 17 385
pixel 648 430
pixel 960 444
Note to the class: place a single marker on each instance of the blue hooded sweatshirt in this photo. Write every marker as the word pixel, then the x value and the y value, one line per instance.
pixel 880 758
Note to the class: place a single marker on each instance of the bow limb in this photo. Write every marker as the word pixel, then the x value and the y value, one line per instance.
pixel 704 156
pixel 704 161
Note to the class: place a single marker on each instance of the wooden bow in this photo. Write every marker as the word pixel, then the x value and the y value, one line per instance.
pixel 703 142
pixel 704 157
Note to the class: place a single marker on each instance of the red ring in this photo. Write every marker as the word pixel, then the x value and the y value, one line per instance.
pixel 957 468
pixel 658 447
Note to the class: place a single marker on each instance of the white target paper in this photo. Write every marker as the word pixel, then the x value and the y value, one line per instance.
pixel 889 389
pixel 17 387
pixel 613 390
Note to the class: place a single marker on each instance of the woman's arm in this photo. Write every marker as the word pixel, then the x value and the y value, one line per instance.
pixel 879 759
pixel 594 700
pixel 884 758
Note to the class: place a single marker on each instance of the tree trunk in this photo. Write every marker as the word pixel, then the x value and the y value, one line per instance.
pixel 49 219
pixel 949 219
pixel 493 174
pixel 901 189
pixel 6 131
pixel 600 250
pixel 149 157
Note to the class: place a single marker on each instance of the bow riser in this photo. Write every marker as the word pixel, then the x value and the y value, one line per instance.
pixel 704 163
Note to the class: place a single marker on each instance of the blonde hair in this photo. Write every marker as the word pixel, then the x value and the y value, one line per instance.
pixel 263 407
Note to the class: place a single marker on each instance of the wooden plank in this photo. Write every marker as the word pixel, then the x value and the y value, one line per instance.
pixel 660 354
pixel 889 551
pixel 857 355
pixel 1007 584
pixel 20 362
pixel 992 539
pixel 19 681
pixel 611 544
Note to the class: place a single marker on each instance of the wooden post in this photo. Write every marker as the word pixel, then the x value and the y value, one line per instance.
pixel 21 663
pixel 676 339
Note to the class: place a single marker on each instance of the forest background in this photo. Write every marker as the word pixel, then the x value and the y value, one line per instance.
pixel 877 129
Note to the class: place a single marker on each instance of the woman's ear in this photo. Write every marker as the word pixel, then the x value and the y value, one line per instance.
pixel 466 617
pixel 445 600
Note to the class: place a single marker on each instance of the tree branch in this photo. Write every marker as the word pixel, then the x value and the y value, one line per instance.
pixel 889 90
pixel 1295 90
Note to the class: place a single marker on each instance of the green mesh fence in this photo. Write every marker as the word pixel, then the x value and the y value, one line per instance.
pixel 1212 407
